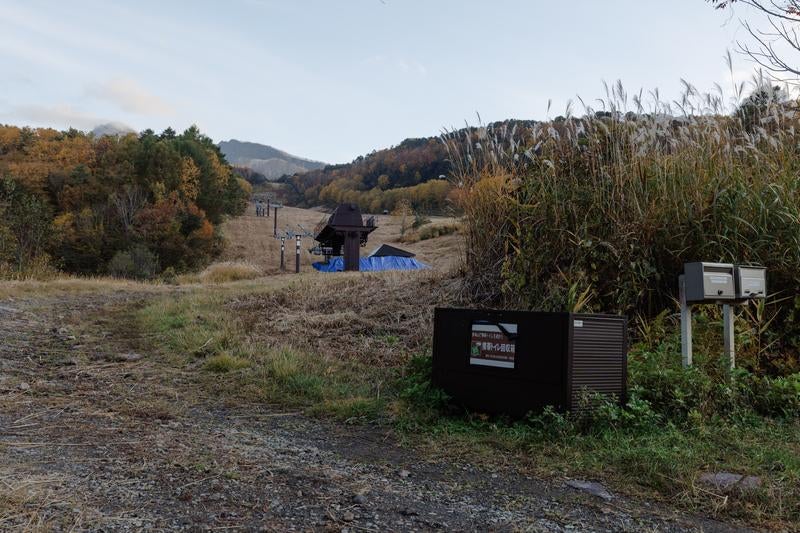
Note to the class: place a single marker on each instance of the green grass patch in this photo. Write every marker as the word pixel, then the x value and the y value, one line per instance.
pixel 677 425
pixel 225 363
pixel 659 443
pixel 197 329
pixel 352 409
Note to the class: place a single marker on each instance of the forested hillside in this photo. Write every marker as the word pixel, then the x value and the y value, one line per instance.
pixel 415 171
pixel 132 204
pixel 379 180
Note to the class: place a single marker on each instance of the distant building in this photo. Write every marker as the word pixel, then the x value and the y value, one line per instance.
pixel 344 233
pixel 386 250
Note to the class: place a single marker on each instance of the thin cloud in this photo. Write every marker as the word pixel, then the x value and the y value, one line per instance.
pixel 131 97
pixel 15 47
pixel 56 116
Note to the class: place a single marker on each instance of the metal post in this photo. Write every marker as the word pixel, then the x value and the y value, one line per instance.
pixel 267 206
pixel 686 325
pixel 727 331
pixel 297 254
pixel 283 265
pixel 275 220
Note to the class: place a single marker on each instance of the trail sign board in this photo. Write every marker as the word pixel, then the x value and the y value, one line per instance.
pixel 493 345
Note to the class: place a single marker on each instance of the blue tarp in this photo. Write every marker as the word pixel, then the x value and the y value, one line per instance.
pixel 373 264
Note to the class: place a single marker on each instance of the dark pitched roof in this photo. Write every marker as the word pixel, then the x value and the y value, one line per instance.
pixel 346 217
pixel 385 250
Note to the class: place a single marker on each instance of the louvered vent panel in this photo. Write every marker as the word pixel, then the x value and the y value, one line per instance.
pixel 598 355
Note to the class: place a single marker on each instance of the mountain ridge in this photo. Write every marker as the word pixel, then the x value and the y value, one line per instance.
pixel 267 160
pixel 111 128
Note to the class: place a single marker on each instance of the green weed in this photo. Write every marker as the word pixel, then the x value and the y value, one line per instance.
pixel 225 363
pixel 199 325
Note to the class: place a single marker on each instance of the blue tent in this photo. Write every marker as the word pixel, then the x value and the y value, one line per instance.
pixel 373 264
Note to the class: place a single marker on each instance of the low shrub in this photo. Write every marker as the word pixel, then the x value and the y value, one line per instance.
pixel 136 263
pixel 776 397
pixel 39 268
pixel 431 232
pixel 416 386
pixel 420 220
pixel 708 390
pixel 660 392
pixel 169 276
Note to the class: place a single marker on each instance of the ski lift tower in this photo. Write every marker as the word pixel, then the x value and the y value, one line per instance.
pixel 275 207
pixel 344 233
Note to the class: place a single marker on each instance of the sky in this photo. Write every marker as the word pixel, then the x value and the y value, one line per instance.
pixel 332 80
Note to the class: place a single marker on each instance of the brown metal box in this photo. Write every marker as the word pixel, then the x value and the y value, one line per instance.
pixel 515 362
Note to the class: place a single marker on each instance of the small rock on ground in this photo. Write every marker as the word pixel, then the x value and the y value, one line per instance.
pixel 128 357
pixel 728 481
pixel 592 487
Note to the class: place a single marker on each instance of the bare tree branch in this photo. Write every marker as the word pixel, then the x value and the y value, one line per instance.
pixel 127 204
pixel 783 17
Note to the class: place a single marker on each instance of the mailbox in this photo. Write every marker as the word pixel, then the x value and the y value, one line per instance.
pixel 514 362
pixel 709 282
pixel 717 283
pixel 751 282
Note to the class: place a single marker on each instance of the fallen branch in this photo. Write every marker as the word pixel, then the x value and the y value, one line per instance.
pixel 196 482
pixel 269 415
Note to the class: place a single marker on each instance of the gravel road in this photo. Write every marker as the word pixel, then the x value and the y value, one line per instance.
pixel 97 437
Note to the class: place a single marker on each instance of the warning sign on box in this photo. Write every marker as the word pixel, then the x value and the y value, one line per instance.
pixel 493 345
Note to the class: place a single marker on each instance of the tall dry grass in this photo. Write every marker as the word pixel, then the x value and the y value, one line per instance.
pixel 228 271
pixel 601 211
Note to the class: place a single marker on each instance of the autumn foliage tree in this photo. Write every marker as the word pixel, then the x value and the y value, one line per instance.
pixel 404 214
pixel 99 196
pixel 24 225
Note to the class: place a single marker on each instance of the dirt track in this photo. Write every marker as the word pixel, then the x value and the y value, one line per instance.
pixel 95 438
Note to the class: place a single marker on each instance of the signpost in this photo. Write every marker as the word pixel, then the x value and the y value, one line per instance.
pixel 298 237
pixel 297 254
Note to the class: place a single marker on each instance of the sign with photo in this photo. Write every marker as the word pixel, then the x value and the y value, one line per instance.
pixel 493 345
